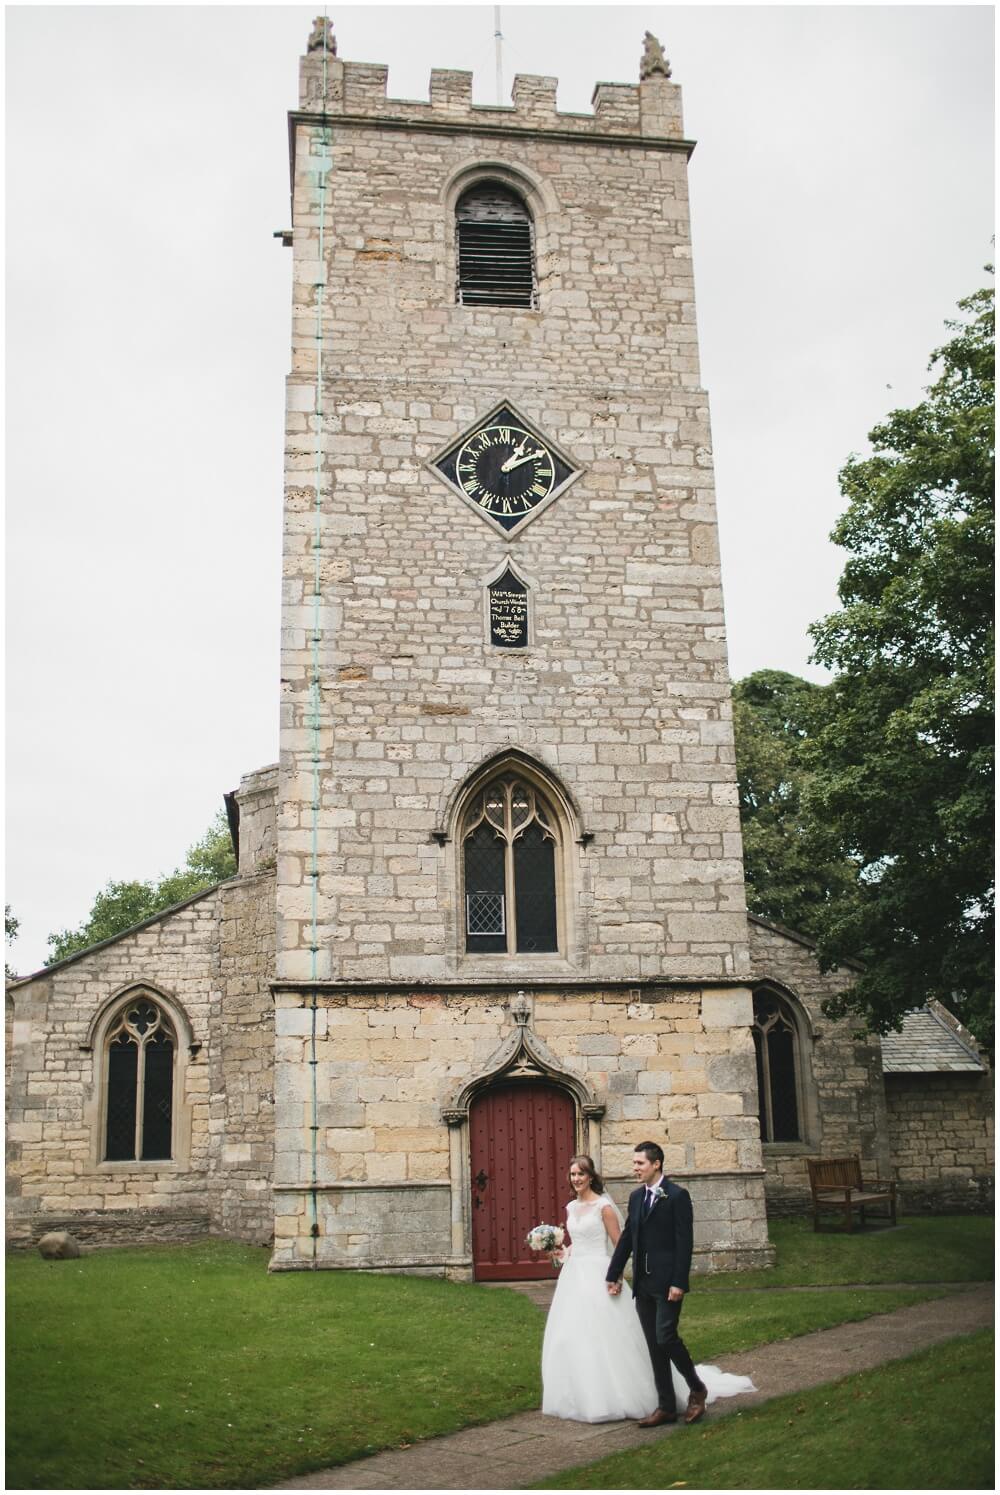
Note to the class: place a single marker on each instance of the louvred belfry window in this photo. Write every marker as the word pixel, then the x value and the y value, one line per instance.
pixel 496 249
pixel 140 1085
pixel 509 846
pixel 775 1038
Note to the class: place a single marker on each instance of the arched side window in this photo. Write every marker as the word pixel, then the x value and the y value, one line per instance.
pixel 779 1068
pixel 496 248
pixel 140 1052
pixel 511 844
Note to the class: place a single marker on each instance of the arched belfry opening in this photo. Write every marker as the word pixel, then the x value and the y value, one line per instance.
pixel 496 248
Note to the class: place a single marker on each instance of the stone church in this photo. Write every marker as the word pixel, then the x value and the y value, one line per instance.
pixel 490 907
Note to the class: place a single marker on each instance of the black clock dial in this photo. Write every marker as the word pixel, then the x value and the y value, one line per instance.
pixel 504 469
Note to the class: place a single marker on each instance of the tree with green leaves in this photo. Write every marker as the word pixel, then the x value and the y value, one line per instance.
pixel 121 905
pixel 901 760
pixel 11 924
pixel 793 865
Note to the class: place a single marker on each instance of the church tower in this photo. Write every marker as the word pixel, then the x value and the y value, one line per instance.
pixel 510 907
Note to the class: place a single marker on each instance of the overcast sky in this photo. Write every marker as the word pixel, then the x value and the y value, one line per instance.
pixel 842 204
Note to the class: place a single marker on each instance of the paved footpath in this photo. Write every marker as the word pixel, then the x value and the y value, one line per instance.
pixel 520 1450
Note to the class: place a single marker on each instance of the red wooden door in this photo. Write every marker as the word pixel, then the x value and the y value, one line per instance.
pixel 522 1138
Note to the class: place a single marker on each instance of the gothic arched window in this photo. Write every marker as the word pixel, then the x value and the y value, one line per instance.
pixel 496 248
pixel 510 848
pixel 140 1048
pixel 776 1041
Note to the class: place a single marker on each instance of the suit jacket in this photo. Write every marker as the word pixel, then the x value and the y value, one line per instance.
pixel 661 1244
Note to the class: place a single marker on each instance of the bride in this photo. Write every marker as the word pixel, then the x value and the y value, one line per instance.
pixel 595 1364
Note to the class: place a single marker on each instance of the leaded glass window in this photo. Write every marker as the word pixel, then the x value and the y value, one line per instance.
pixel 140 1085
pixel 509 842
pixel 775 1038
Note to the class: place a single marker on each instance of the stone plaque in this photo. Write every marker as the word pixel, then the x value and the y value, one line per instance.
pixel 509 612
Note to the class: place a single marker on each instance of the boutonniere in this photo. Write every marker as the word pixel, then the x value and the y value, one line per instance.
pixel 658 1193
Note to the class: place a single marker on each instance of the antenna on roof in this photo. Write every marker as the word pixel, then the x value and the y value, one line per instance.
pixel 498 38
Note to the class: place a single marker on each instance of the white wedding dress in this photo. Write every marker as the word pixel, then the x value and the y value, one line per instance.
pixel 595 1364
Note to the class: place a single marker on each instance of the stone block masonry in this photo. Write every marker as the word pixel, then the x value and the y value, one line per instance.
pixel 841 1095
pixel 394 699
pixel 209 963
pixel 390 1185
pixel 624 694
pixel 941 1137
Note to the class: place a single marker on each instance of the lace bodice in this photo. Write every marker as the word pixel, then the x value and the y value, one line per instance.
pixel 586 1227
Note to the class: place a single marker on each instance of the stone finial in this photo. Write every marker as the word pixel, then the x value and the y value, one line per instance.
pixel 321 38
pixel 520 1009
pixel 653 60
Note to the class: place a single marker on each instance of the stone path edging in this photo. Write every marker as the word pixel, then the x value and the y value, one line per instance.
pixel 516 1451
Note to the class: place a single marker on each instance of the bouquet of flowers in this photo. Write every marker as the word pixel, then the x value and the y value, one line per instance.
pixel 546 1238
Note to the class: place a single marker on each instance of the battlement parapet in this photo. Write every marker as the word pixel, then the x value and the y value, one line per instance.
pixel 329 86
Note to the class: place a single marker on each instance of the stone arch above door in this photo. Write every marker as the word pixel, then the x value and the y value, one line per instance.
pixel 522 1055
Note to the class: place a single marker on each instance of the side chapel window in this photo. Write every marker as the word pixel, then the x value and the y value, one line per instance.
pixel 140 1050
pixel 509 845
pixel 496 250
pixel 776 1041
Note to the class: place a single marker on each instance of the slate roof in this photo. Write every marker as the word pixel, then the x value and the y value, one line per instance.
pixel 928 1043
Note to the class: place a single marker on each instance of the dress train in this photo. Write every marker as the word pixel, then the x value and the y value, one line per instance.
pixel 595 1364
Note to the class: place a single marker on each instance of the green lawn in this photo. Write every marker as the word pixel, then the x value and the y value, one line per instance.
pixel 925 1423
pixel 191 1367
pixel 945 1248
pixel 724 1323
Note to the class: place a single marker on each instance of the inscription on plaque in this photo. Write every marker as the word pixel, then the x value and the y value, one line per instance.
pixel 509 612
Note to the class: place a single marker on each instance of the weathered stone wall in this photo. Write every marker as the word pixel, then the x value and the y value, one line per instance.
pixel 258 839
pixel 209 963
pixel 242 1061
pixel 624 693
pixel 670 1064
pixel 844 1110
pixel 393 697
pixel 941 1140
pixel 55 1170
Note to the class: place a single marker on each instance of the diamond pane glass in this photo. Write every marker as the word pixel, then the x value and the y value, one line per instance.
pixel 781 1063
pixel 494 804
pixel 758 1048
pixel 157 1108
pixel 520 805
pixel 485 913
pixel 535 891
pixel 123 1055
pixel 484 875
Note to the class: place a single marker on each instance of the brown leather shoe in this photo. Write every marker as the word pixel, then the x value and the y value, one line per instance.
pixel 696 1405
pixel 657 1418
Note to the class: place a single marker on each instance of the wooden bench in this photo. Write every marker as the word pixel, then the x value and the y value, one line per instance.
pixel 836 1184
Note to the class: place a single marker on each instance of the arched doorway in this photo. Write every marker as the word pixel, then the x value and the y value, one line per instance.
pixel 522 1135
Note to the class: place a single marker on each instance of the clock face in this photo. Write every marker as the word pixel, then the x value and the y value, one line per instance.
pixel 504 469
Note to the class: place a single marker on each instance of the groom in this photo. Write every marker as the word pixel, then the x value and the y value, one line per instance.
pixel 659 1233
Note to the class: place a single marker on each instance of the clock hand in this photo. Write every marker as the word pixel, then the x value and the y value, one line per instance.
pixel 513 462
pixel 515 455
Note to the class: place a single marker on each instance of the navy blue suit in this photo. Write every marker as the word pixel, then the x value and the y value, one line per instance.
pixel 660 1242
